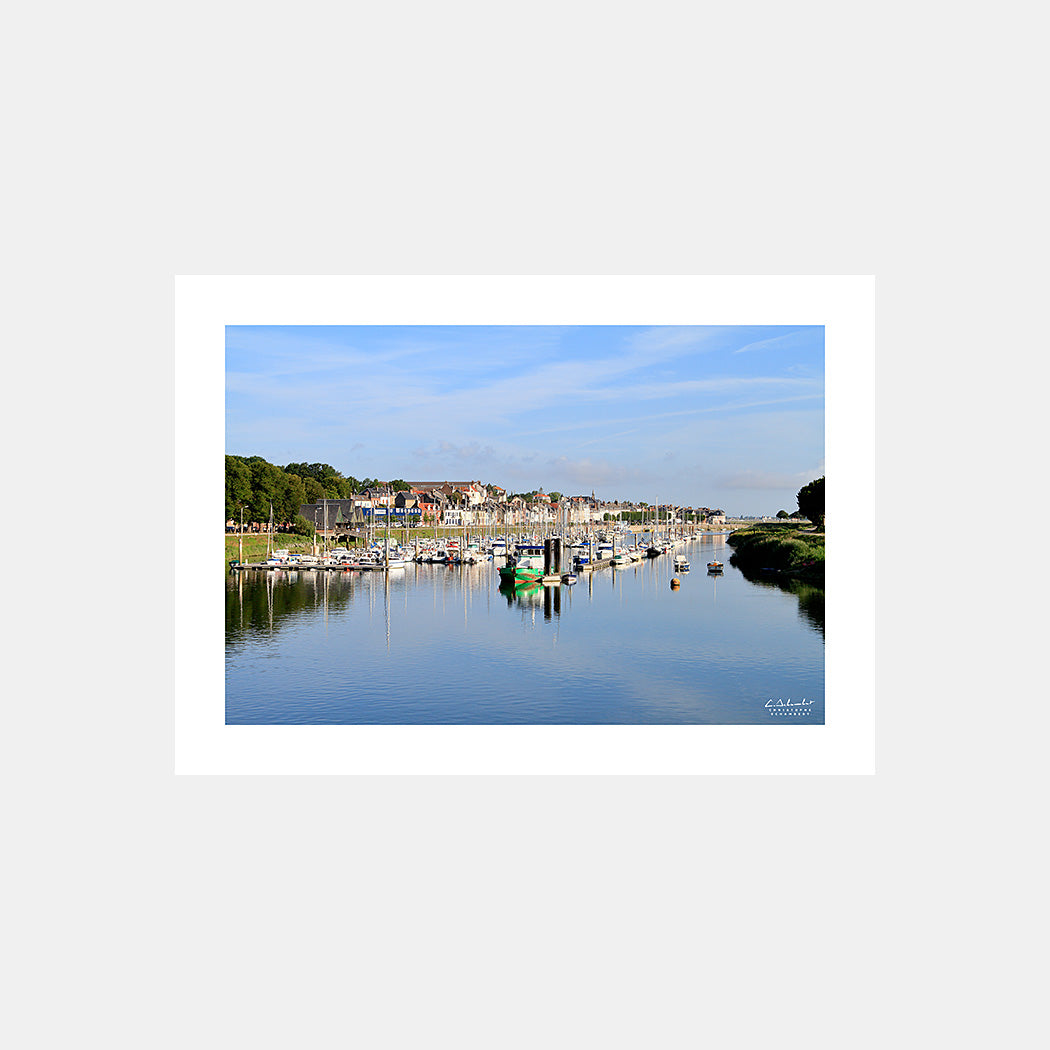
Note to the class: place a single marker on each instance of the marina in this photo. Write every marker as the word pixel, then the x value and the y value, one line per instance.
pixel 460 642
pixel 555 556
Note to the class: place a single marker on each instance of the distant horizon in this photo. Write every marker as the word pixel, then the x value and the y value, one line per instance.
pixel 724 417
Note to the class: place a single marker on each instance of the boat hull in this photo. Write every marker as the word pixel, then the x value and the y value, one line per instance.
pixel 525 576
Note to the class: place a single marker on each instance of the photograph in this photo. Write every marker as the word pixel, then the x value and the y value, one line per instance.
pixel 524 524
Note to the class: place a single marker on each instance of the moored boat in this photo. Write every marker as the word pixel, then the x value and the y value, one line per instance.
pixel 526 568
pixel 714 566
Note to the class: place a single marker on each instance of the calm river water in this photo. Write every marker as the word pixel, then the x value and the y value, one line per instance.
pixel 431 644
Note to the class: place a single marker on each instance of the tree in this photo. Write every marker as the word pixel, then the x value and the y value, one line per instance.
pixel 238 486
pixel 291 495
pixel 266 482
pixel 333 484
pixel 783 514
pixel 811 501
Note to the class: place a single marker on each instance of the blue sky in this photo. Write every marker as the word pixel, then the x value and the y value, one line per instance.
pixel 715 416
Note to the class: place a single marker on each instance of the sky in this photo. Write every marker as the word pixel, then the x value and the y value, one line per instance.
pixel 704 416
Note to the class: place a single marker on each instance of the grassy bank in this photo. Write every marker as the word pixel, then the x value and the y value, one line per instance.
pixel 789 549
pixel 255 546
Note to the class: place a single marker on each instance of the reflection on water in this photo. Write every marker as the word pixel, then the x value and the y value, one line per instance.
pixel 433 644
pixel 531 595
pixel 811 605
pixel 810 597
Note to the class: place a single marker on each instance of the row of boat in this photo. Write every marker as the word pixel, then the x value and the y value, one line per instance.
pixel 525 564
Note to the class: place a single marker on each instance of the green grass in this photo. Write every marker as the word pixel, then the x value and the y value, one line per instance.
pixel 789 548
pixel 255 546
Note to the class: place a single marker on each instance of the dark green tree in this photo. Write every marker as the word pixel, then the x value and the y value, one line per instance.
pixel 238 487
pixel 266 485
pixel 291 495
pixel 333 484
pixel 811 501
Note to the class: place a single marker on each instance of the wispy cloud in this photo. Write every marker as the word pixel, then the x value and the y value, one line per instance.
pixel 786 341
pixel 585 474
pixel 764 479
pixel 664 343
pixel 606 437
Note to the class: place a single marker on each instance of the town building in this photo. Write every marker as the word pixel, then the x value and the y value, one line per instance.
pixel 472 492
pixel 334 516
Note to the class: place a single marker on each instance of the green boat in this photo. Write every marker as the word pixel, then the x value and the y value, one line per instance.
pixel 528 568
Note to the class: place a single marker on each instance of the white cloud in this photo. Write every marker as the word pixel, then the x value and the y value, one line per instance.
pixel 787 341
pixel 761 479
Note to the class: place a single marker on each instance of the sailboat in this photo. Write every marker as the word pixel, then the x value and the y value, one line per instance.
pixel 654 550
pixel 272 557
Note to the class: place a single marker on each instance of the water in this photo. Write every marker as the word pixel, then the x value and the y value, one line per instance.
pixel 431 644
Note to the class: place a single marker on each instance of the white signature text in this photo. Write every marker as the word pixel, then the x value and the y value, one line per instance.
pixel 789 706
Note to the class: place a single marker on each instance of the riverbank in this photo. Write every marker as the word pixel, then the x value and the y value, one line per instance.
pixel 255 546
pixel 794 550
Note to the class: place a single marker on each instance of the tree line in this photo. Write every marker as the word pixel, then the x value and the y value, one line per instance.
pixel 254 484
